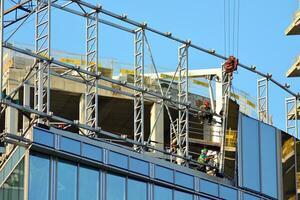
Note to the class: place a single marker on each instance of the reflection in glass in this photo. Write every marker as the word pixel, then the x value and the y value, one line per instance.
pixel 88 184
pixel 268 160
pixel 183 196
pixel 249 197
pixel 228 193
pixel 13 188
pixel 250 154
pixel 162 193
pixel 288 166
pixel 66 181
pixel 39 177
pixel 115 187
pixel 137 190
pixel 208 187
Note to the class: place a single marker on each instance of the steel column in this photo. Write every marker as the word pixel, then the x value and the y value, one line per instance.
pixel 139 40
pixel 91 93
pixel 183 90
pixel 291 110
pixel 42 47
pixel 263 100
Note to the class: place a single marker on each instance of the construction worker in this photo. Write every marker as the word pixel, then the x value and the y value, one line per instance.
pixel 205 113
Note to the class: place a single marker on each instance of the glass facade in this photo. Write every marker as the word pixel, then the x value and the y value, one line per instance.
pixel 13 187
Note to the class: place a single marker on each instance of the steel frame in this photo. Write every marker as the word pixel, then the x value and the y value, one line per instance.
pixel 42 88
pixel 139 42
pixel 42 47
pixel 263 100
pixel 91 93
pixel 291 111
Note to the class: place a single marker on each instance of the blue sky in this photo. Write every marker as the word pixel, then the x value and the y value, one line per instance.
pixel 262 39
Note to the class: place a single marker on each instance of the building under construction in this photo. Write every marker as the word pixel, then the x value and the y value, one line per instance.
pixel 74 128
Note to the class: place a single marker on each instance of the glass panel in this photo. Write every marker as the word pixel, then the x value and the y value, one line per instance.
pixel 249 197
pixel 43 137
pixel 228 193
pixel 208 187
pixel 39 177
pixel 268 160
pixel 88 184
pixel 139 166
pixel 115 187
pixel 183 196
pixel 288 166
pixel 184 180
pixel 298 167
pixel 70 145
pixel 137 190
pixel 250 153
pixel 118 160
pixel 13 188
pixel 163 173
pixel 92 152
pixel 66 181
pixel 162 193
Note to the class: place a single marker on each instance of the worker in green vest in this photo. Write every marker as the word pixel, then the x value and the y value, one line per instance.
pixel 202 159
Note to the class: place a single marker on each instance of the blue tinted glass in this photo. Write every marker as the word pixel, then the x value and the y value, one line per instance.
pixel 268 160
pixel 39 177
pixel 228 193
pixel 139 166
pixel 118 160
pixel 203 198
pixel 66 181
pixel 70 145
pixel 250 153
pixel 92 152
pixel 184 180
pixel 182 196
pixel 249 197
pixel 162 193
pixel 163 173
pixel 88 184
pixel 137 190
pixel 208 187
pixel 115 187
pixel 43 137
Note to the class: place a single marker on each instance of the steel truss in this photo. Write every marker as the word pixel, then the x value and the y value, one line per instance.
pixel 42 47
pixel 291 110
pixel 139 41
pixel 91 93
pixel 262 100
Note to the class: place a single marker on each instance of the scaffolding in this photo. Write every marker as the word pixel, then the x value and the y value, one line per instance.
pixel 91 77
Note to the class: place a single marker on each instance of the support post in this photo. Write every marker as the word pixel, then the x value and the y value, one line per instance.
pixel 1 48
pixel 183 113
pixel 91 93
pixel 291 110
pixel 157 125
pixel 26 102
pixel 139 40
pixel 42 47
pixel 262 100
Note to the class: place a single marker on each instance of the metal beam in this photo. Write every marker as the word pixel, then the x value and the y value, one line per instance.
pixel 263 99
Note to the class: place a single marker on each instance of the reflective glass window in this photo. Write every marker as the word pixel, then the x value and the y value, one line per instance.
pixel 249 197
pixel 250 154
pixel 208 187
pixel 184 180
pixel 228 193
pixel 115 187
pixel 118 160
pixel 89 184
pixel 139 166
pixel 164 173
pixel 162 193
pixel 43 137
pixel 137 190
pixel 66 181
pixel 182 196
pixel 70 145
pixel 13 187
pixel 268 160
pixel 92 152
pixel 39 177
pixel 288 166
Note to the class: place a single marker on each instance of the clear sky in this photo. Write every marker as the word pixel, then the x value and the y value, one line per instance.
pixel 262 40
